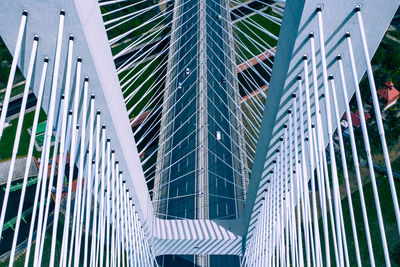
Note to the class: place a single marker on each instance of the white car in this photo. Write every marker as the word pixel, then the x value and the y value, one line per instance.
pixel 179 85
pixel 219 17
pixel 218 135
pixel 187 71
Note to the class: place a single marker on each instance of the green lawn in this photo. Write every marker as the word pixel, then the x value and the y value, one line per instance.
pixel 7 140
pixel 255 35
pixel 143 84
pixel 15 91
pixel 389 221
pixel 5 64
pixel 146 32
pixel 130 24
pixel 46 250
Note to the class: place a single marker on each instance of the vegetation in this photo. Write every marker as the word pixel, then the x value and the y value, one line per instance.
pixel 386 65
pixel 5 64
pixel 20 261
pixel 7 140
pixel 143 83
pixel 134 22
pixel 251 31
pixel 387 61
pixel 388 217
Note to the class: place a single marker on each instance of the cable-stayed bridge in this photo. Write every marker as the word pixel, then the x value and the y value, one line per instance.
pixel 193 133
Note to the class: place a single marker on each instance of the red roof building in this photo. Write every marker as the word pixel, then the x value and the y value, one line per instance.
pixel 355 118
pixel 388 94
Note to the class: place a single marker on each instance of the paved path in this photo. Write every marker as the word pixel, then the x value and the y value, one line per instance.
pixel 255 60
pixel 254 93
pixel 15 85
pixel 393 38
pixel 19 169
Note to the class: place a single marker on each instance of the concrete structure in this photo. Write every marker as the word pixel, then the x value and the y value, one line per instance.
pixel 323 51
pixel 19 171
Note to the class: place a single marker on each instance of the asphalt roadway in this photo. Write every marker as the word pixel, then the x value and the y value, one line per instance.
pixel 181 190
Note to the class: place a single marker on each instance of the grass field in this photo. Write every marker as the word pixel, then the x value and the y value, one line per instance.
pixel 15 91
pixel 143 83
pixel 7 140
pixel 389 221
pixel 46 250
pixel 253 27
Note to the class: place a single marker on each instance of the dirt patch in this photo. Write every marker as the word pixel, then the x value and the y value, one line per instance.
pixel 162 5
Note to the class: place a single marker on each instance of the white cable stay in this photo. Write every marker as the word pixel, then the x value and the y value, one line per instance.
pixel 211 153
pixel 268 70
pixel 60 171
pixel 129 16
pixel 233 113
pixel 183 157
pixel 172 135
pixel 262 64
pixel 158 27
pixel 132 60
pixel 13 69
pixel 155 97
pixel 254 127
pixel 250 38
pixel 285 246
pixel 252 81
pixel 73 152
pixel 29 158
pixel 111 2
pixel 257 115
pixel 18 131
pixel 167 112
pixel 122 8
pixel 378 116
pixel 137 43
pixel 193 194
pixel 272 6
pixel 183 123
pixel 70 143
pixel 188 173
pixel 255 44
pixel 298 218
pixel 249 20
pixel 49 132
pixel 156 100
pixel 134 78
pixel 123 35
pixel 253 23
pixel 258 12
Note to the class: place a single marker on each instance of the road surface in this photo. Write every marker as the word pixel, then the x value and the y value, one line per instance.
pixel 178 199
